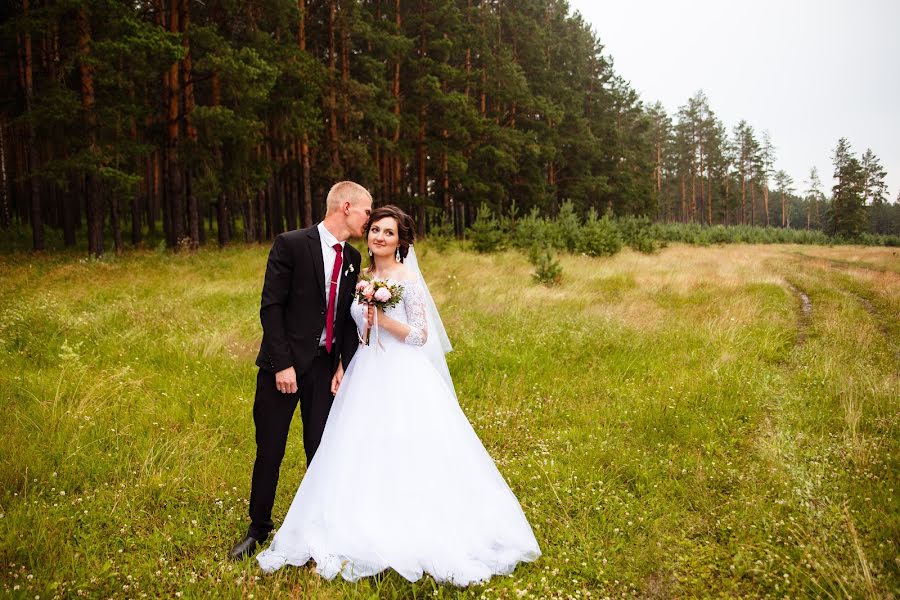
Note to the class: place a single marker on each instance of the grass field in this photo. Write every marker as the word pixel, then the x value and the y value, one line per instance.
pixel 717 421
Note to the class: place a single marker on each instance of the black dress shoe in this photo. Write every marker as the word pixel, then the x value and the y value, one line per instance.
pixel 244 548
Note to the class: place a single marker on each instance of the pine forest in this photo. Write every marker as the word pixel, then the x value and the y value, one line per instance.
pixel 223 121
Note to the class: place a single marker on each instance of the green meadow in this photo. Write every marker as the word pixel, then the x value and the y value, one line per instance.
pixel 700 422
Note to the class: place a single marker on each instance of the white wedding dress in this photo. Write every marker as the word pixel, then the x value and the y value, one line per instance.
pixel 400 479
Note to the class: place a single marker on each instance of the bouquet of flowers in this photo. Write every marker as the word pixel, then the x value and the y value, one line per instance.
pixel 377 292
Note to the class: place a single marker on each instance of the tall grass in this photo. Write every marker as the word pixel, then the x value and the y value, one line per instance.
pixel 666 430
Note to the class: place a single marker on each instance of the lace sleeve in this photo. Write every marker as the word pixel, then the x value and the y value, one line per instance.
pixel 414 300
pixel 357 311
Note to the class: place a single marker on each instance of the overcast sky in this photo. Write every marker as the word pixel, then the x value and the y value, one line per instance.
pixel 807 71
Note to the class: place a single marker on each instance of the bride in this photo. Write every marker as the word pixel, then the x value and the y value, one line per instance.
pixel 400 479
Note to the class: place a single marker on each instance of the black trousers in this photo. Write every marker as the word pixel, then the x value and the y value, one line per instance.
pixel 272 414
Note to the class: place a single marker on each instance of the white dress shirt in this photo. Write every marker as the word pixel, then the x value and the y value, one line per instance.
pixel 328 257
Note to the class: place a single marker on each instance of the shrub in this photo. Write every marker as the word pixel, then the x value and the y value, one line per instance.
pixel 547 270
pixel 876 239
pixel 637 232
pixel 508 221
pixel 599 237
pixel 568 227
pixel 441 232
pixel 486 233
pixel 717 234
pixel 533 229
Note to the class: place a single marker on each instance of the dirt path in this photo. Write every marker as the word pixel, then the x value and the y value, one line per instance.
pixel 804 318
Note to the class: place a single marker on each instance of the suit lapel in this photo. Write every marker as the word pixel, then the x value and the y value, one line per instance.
pixel 314 242
pixel 345 263
pixel 344 291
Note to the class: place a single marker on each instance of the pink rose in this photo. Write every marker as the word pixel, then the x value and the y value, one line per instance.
pixel 383 295
pixel 361 285
pixel 369 291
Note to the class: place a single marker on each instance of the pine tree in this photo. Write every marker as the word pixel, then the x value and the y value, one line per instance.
pixel 661 126
pixel 847 216
pixel 766 162
pixel 784 183
pixel 875 191
pixel 814 198
pixel 747 151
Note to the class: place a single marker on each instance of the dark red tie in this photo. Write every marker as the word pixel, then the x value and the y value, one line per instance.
pixel 332 293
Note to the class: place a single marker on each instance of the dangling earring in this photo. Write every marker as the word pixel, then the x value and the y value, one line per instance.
pixel 397 255
pixel 369 250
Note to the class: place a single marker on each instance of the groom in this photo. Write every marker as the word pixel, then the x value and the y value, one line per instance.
pixel 308 339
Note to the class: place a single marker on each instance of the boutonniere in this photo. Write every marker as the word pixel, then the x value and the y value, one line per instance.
pixel 350 270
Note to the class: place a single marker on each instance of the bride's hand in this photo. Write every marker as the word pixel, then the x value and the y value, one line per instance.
pixel 370 315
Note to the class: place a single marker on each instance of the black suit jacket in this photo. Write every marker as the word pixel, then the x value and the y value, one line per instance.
pixel 293 305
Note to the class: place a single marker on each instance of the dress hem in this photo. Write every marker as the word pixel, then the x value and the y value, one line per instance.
pixel 330 566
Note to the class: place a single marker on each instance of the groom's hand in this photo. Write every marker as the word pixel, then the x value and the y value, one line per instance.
pixel 336 380
pixel 286 381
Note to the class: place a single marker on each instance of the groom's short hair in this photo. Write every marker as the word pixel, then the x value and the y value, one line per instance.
pixel 345 191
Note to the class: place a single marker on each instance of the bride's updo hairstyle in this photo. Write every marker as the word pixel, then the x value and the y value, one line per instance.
pixel 406 227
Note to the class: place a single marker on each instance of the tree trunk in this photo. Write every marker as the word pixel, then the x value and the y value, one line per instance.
pixel 174 176
pixel 248 212
pixel 94 215
pixel 165 204
pixel 395 173
pixel 5 220
pixel 141 193
pixel 658 171
pixel 19 192
pixel 91 188
pixel 332 92
pixel 385 169
pixel 290 179
pixel 193 215
pixel 70 201
pixel 743 197
pixel 115 223
pixel 306 199
pixel 727 201
pixel 693 191
pixel 222 220
pixel 483 103
pixel 188 102
pixel 378 195
pixel 421 150
pixel 154 194
pixel 468 68
pixel 446 200
pixel 345 66
pixel 307 183
pixel 223 230
pixel 422 187
pixel 301 25
pixel 784 218
pixel 702 185
pixel 262 222
pixel 752 204
pixel 37 223
pixel 270 212
pixel 274 189
pixel 136 236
